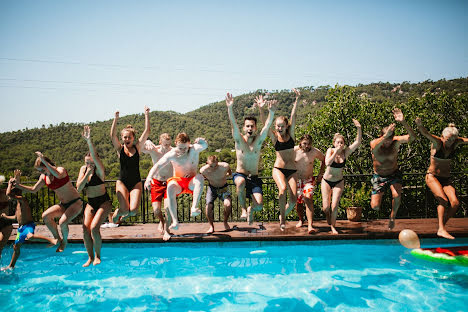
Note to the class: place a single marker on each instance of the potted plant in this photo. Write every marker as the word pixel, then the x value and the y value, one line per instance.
pixel 354 201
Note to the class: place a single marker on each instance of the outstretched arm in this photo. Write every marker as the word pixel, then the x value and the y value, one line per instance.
pixel 146 133
pixel 235 128
pixel 200 144
pixel 96 159
pixel 261 104
pixel 31 189
pixel 358 140
pixel 272 105
pixel 113 134
pixel 293 115
pixel 411 136
pixel 433 138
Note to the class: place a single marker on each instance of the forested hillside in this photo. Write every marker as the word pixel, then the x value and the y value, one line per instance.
pixel 322 112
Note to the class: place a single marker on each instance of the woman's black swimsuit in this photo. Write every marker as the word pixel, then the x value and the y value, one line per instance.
pixel 129 169
pixel 97 201
pixel 281 146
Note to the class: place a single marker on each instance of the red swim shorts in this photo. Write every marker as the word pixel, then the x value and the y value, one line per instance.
pixel 158 190
pixel 183 183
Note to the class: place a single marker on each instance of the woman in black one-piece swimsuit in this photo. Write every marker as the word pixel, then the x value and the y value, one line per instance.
pixel 128 186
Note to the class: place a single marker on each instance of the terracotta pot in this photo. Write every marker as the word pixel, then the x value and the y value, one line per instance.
pixel 354 213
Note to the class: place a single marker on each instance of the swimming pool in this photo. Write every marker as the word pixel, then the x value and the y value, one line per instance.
pixel 378 275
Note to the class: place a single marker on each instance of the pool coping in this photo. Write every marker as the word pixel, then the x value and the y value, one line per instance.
pixel 266 231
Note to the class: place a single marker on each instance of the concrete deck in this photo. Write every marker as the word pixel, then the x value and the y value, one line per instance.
pixel 241 231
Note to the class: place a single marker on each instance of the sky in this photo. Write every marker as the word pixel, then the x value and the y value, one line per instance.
pixel 80 61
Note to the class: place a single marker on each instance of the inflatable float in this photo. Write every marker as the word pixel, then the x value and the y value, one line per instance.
pixel 448 255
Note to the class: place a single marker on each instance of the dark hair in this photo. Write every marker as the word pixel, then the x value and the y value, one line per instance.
pixel 88 154
pixel 306 137
pixel 182 138
pixel 38 162
pixel 211 159
pixel 251 118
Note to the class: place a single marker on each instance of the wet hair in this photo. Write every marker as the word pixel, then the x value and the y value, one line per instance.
pixel 307 137
pixel 128 128
pixel 165 136
pixel 38 163
pixel 338 136
pixel 211 159
pixel 251 118
pixel 182 138
pixel 450 130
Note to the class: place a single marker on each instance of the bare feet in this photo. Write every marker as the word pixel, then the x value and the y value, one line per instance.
pixel 444 234
pixel 115 217
pixel 195 212
pixel 97 261
pixel 174 226
pixel 243 214
pixel 53 243
pixel 334 231
pixel 61 246
pixel 311 230
pixel 226 226
pixel 250 215
pixel 282 227
pixel 210 230
pixel 88 263
pixel 161 227
pixel 299 224
pixel 391 224
pixel 166 236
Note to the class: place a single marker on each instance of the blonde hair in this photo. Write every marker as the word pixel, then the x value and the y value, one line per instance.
pixel 128 128
pixel 165 136
pixel 211 159
pixel 450 130
pixel 338 136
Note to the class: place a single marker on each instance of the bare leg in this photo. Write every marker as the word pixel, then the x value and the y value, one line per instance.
pixel 70 213
pixel 88 241
pixel 135 197
pixel 227 212
pixel 449 190
pixel 336 196
pixel 300 209
pixel 396 201
pixel 172 190
pixel 98 219
pixel 292 194
pixel 15 256
pixel 280 180
pixel 167 234
pixel 210 217
pixel 436 188
pixel 257 205
pixel 326 200
pixel 196 185
pixel 157 211
pixel 309 203
pixel 241 193
pixel 48 216
pixel 124 204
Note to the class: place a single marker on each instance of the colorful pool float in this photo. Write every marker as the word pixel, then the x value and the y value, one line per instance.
pixel 449 255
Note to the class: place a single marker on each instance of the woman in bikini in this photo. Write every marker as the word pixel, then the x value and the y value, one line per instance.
pixel 284 171
pixel 70 206
pixel 438 175
pixel 332 182
pixel 128 186
pixel 92 176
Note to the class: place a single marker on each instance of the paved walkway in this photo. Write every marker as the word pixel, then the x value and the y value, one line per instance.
pixel 195 232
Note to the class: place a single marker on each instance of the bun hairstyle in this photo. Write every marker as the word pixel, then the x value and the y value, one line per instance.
pixel 450 130
pixel 128 128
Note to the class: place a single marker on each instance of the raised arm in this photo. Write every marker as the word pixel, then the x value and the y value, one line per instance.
pixel 272 105
pixel 200 145
pixel 411 136
pixel 96 159
pixel 113 134
pixel 356 142
pixel 293 115
pixel 146 133
pixel 28 189
pixel 261 104
pixel 53 170
pixel 235 128
pixel 433 138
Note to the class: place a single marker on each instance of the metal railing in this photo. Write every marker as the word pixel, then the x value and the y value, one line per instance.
pixel 417 201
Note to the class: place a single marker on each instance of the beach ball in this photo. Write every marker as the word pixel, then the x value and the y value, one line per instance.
pixel 409 239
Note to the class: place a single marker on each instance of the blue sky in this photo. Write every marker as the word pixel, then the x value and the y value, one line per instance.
pixel 80 61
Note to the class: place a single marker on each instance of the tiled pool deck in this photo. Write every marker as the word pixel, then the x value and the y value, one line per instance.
pixel 241 231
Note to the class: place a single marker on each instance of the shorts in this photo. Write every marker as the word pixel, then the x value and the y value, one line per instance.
pixel 304 187
pixel 4 223
pixel 380 183
pixel 71 202
pixel 23 232
pixel 213 192
pixel 158 190
pixel 253 184
pixel 444 181
pixel 183 183
pixel 96 202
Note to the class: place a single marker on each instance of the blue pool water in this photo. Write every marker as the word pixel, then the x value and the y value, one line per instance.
pixel 378 275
